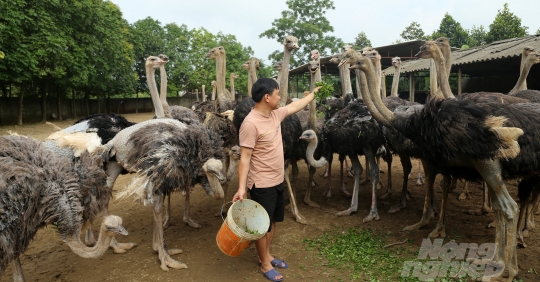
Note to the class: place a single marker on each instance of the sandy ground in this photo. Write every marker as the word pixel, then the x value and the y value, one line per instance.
pixel 48 259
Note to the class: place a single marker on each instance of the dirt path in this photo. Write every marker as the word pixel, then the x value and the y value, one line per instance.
pixel 48 259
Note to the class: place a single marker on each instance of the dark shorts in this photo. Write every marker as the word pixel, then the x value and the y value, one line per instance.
pixel 271 199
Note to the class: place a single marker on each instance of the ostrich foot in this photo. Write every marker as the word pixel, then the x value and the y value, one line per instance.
pixel 167 261
pixel 344 192
pixel 386 195
pixel 423 222
pixel 464 195
pixel 439 231
pixel 520 241
pixel 474 212
pixel 300 219
pixel 380 186
pixel 525 233
pixel 314 183
pixel 328 192
pixel 166 222
pixel 350 173
pixel 346 212
pixel 325 173
pixel 397 208
pixel 373 215
pixel 492 224
pixel 530 224
pixel 486 209
pixel 173 252
pixel 420 180
pixel 192 223
pixel 120 248
pixel 311 203
pixel 364 181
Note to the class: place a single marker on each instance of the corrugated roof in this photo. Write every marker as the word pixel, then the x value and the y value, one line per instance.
pixel 504 49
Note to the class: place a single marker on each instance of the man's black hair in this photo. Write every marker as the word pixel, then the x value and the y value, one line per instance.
pixel 263 86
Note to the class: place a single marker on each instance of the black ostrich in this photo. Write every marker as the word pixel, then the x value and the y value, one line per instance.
pixel 492 141
pixel 352 132
pixel 105 125
pixel 38 188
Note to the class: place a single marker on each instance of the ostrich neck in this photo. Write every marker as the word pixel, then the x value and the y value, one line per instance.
pixel 220 79
pixel 372 99
pixel 378 75
pixel 101 246
pixel 284 79
pixel 153 92
pixel 312 145
pixel 250 85
pixel 442 75
pixel 447 54
pixel 395 81
pixel 433 85
pixel 163 92
pixel 312 118
pixel 522 81
pixel 252 71
pixel 231 170
pixel 232 85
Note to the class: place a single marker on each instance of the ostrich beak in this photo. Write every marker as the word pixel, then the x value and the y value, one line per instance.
pixel 418 54
pixel 120 230
pixel 296 47
pixel 220 176
pixel 342 63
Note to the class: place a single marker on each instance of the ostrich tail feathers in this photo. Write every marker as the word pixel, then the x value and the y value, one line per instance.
pixel 507 135
pixel 140 186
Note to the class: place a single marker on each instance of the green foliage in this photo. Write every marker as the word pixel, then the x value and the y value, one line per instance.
pixel 361 41
pixel 465 47
pixel 452 29
pixel 506 25
pixel 477 36
pixel 306 20
pixel 326 91
pixel 538 31
pixel 361 253
pixel 413 32
pixel 2 55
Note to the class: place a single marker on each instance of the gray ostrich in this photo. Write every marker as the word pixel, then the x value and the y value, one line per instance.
pixel 480 147
pixel 39 188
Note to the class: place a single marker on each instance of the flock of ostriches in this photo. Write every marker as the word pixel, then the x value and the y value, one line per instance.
pixel 67 180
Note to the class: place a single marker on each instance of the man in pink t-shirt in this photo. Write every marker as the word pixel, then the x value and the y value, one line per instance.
pixel 261 167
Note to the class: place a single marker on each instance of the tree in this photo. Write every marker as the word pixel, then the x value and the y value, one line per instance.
pixel 452 29
pixel 477 36
pixel 537 32
pixel 361 41
pixel 413 32
pixel 304 19
pixel 506 25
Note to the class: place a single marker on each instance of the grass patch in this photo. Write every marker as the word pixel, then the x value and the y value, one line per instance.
pixel 361 254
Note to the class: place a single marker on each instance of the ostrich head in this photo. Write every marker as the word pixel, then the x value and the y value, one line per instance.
pixel 365 50
pixel 213 83
pixel 154 62
pixel 347 56
pixel 346 47
pixel 246 65
pixel 291 43
pixel 315 54
pixel 313 66
pixel 213 169
pixel 216 52
pixel 164 57
pixel 234 75
pixel 373 55
pixel 334 59
pixel 442 41
pixel 427 50
pixel 534 57
pixel 257 63
pixel 277 65
pixel 396 62
pixel 308 135
pixel 359 62
pixel 234 153
pixel 113 224
pixel 527 50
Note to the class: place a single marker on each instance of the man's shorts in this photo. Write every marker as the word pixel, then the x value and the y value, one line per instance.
pixel 271 199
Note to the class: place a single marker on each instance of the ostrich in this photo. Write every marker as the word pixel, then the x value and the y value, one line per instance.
pixel 232 78
pixel 252 66
pixel 38 188
pixel 224 101
pixel 480 146
pixel 278 66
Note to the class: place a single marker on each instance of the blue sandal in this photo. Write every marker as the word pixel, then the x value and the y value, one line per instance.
pixel 279 263
pixel 271 275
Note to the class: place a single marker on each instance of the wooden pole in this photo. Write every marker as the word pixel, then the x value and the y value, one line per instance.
pixel 203 93
pixel 459 82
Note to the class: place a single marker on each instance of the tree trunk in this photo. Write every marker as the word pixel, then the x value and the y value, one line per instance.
pixel 73 107
pixel 87 102
pixel 137 103
pixel 59 102
pixel 10 92
pixel 43 91
pixel 98 105
pixel 20 122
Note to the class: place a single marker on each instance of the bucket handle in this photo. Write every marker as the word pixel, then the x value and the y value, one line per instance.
pixel 222 206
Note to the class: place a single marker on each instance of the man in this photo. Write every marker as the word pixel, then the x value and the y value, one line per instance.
pixel 261 167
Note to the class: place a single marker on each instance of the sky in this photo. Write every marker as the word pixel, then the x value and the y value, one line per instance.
pixel 382 22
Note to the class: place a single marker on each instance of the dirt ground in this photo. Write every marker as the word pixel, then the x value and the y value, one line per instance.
pixel 48 259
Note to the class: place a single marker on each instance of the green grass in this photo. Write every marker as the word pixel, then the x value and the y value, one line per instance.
pixel 361 254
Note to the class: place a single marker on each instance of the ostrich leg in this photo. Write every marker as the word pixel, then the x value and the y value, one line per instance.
pixel 529 222
pixel 17 271
pixel 388 160
pixel 465 193
pixel 447 184
pixel 374 173
pixel 407 168
pixel 294 207
pixel 328 191
pixel 428 201
pixel 159 244
pixel 506 210
pixel 354 201
pixel 307 197
pixel 167 218
pixel 420 180
pixel 344 192
pixel 187 218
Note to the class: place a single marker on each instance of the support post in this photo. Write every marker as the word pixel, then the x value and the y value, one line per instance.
pixel 411 87
pixel 459 89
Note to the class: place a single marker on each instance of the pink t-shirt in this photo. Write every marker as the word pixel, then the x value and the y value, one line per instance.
pixel 263 135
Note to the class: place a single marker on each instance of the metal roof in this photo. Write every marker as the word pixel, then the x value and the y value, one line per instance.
pixel 497 58
pixel 404 50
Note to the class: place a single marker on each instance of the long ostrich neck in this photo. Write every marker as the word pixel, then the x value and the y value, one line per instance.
pixel 312 118
pixel 433 85
pixel 101 246
pixel 364 94
pixel 232 84
pixel 252 71
pixel 447 54
pixel 250 85
pixel 522 81
pixel 279 76
pixel 378 75
pixel 151 80
pixel 231 170
pixel 442 74
pixel 383 85
pixel 284 79
pixel 220 78
pixel 312 145
pixel 395 81
pixel 163 91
